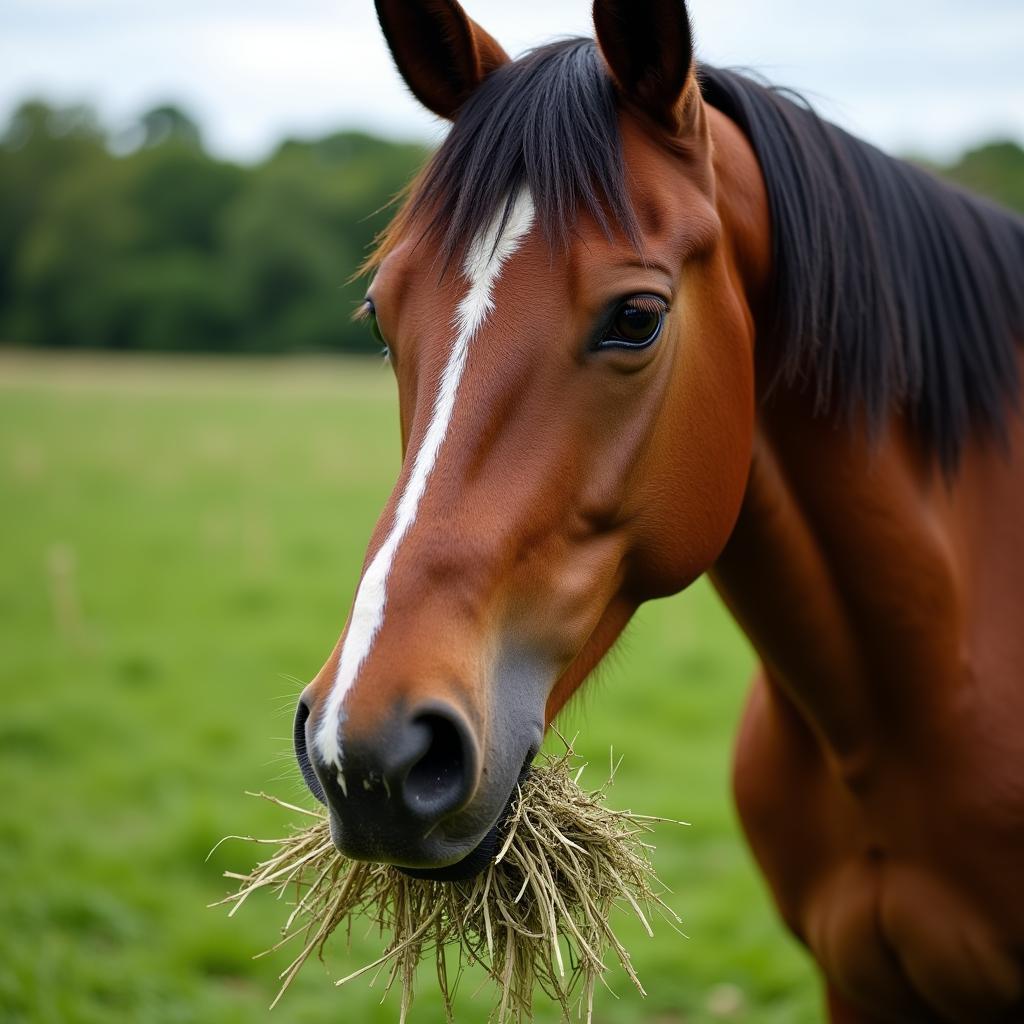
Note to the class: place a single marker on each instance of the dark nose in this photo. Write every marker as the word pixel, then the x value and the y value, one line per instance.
pixel 396 783
pixel 434 764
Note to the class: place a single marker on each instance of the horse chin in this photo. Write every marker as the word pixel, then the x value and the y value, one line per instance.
pixel 483 854
pixel 469 867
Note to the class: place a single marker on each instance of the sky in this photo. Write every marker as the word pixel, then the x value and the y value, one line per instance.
pixel 928 77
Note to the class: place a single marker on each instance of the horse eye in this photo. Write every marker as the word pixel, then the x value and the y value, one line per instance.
pixel 368 312
pixel 636 323
pixel 371 315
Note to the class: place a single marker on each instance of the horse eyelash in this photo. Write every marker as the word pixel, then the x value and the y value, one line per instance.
pixel 648 304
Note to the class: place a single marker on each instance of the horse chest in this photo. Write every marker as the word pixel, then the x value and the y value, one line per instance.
pixel 905 881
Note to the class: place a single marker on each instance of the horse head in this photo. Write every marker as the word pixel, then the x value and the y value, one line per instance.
pixel 567 321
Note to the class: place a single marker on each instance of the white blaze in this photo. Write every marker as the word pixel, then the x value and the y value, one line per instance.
pixel 483 264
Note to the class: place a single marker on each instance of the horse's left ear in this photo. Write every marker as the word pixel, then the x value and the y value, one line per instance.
pixel 442 54
pixel 648 45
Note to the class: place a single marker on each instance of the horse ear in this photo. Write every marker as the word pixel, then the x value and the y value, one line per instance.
pixel 648 46
pixel 442 54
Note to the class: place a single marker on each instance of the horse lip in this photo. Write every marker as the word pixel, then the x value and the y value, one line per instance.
pixel 483 854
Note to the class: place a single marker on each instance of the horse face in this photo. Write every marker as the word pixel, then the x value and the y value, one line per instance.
pixel 576 423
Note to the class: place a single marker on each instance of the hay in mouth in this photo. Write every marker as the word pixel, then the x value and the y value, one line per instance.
pixel 537 917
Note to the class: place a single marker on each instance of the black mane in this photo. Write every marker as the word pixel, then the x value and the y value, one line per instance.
pixel 892 289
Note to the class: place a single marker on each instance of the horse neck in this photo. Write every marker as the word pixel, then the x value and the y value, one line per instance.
pixel 840 569
pixel 869 583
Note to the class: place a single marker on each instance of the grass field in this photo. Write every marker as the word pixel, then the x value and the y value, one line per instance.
pixel 180 544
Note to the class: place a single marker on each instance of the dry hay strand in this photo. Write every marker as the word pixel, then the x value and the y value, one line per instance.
pixel 537 917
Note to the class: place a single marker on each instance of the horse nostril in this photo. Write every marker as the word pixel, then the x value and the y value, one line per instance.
pixel 442 778
pixel 302 713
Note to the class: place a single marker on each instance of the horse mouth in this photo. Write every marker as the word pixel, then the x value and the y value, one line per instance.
pixel 483 854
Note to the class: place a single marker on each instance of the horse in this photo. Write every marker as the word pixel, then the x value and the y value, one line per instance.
pixel 651 319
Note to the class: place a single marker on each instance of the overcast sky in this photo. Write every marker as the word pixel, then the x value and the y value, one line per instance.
pixel 927 76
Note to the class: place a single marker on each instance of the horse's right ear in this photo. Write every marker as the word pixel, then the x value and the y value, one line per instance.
pixel 442 54
pixel 648 46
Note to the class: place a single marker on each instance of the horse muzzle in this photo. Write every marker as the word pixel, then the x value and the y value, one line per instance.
pixel 414 792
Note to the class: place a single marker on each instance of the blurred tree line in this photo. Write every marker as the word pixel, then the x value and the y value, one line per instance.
pixel 146 241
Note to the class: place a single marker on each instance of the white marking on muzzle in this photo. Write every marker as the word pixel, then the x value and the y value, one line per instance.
pixel 483 265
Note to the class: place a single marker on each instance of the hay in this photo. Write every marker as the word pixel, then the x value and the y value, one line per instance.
pixel 538 916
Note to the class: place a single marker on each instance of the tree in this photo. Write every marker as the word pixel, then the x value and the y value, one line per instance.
pixel 995 170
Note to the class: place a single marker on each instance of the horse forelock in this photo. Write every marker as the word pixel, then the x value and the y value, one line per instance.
pixel 547 123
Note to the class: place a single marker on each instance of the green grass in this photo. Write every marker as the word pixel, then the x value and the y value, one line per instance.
pixel 180 544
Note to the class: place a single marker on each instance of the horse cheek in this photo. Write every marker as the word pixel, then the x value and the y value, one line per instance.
pixel 700 451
